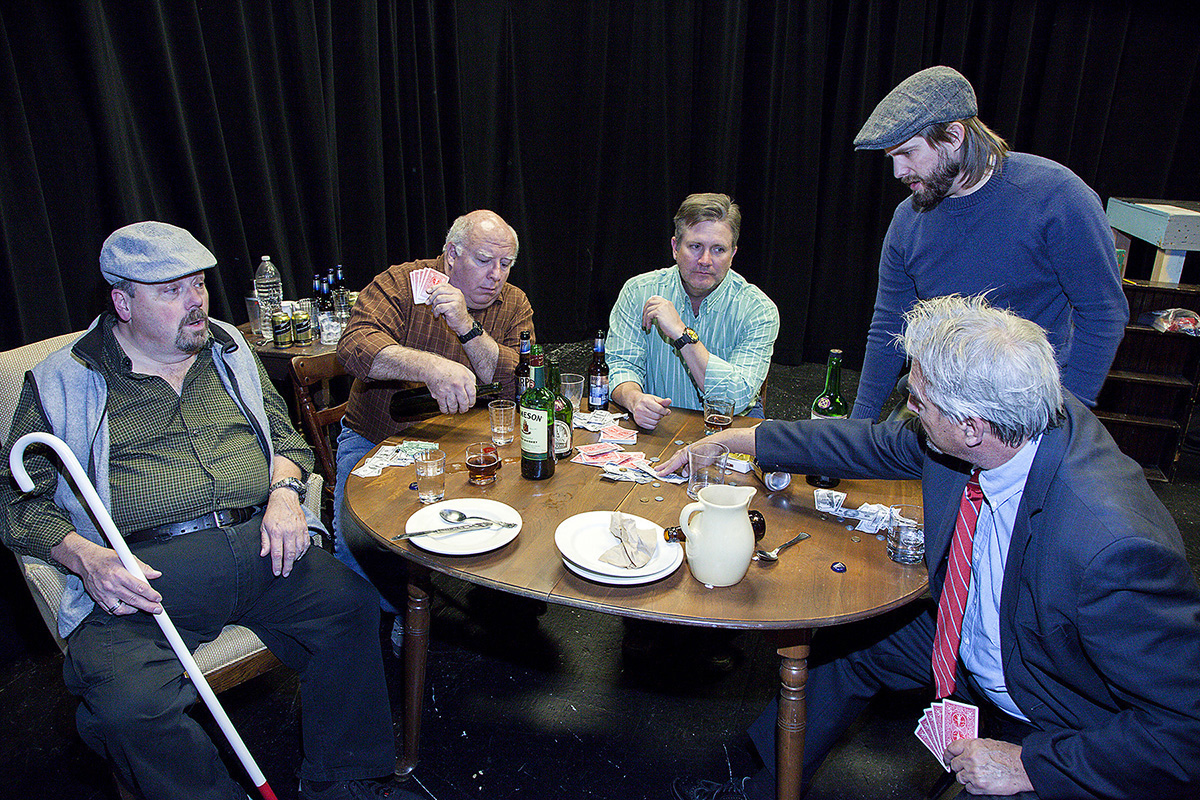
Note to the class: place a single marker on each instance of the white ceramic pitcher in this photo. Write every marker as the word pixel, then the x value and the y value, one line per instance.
pixel 718 538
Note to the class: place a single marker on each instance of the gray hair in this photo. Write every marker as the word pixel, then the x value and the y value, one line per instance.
pixel 983 362
pixel 126 286
pixel 708 207
pixel 463 229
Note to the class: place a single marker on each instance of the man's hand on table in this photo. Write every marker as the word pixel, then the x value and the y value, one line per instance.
pixel 738 440
pixel 648 410
pixel 284 532
pixel 988 766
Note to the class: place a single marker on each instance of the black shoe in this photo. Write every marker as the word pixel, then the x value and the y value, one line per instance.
pixel 696 789
pixel 355 790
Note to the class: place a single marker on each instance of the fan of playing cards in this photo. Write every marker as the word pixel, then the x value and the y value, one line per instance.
pixel 946 722
pixel 423 280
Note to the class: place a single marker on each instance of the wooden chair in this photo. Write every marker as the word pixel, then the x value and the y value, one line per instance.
pixel 235 656
pixel 317 411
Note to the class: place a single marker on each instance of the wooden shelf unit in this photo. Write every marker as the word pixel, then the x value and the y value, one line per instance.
pixel 1147 400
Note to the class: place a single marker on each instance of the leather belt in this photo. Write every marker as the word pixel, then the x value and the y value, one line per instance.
pixel 214 519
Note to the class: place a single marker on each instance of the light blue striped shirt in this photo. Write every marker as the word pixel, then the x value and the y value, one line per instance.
pixel 737 323
pixel 979 648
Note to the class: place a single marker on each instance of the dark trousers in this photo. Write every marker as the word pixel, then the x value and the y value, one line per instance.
pixel 849 667
pixel 322 620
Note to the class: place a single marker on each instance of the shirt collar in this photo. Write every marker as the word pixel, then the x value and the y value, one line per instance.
pixel 1000 483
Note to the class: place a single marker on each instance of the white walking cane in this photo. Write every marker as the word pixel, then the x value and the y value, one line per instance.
pixel 84 484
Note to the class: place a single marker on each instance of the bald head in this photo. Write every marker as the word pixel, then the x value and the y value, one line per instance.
pixel 480 250
pixel 482 223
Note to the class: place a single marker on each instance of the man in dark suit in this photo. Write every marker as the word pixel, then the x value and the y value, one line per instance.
pixel 1081 618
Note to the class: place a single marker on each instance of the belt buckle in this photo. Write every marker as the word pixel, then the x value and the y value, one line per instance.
pixel 216 518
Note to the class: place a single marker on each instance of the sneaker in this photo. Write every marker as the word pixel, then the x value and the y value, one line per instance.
pixel 356 790
pixel 696 789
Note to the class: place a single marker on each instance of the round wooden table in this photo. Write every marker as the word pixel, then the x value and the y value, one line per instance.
pixel 798 593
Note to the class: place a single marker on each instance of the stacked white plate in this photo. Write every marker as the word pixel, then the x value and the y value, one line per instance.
pixel 583 538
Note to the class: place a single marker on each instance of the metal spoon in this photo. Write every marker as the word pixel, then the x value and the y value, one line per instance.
pixel 455 516
pixel 773 555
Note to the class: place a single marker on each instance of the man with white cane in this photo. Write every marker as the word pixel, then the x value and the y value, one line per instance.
pixel 192 453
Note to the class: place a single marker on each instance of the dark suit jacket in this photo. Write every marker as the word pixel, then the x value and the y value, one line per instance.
pixel 1099 614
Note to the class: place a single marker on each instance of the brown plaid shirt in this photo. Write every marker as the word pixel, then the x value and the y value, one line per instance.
pixel 384 314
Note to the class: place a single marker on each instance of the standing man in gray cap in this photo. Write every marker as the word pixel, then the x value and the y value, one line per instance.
pixel 193 454
pixel 982 218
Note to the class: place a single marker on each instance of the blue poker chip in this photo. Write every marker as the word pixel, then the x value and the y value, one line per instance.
pixel 413 486
pixel 837 566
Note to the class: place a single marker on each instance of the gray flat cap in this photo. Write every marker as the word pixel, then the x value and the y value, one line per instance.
pixel 937 94
pixel 152 252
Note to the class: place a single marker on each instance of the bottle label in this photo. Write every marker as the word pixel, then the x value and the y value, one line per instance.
pixel 562 438
pixel 598 391
pixel 524 382
pixel 535 433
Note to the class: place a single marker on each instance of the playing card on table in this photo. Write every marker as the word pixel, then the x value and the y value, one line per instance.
pixel 615 433
pixel 597 448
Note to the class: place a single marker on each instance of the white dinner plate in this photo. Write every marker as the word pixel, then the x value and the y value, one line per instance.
pixel 466 543
pixel 583 538
pixel 623 580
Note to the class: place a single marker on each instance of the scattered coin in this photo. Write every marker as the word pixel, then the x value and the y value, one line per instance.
pixel 654 460
pixel 679 441
pixel 856 538
pixel 659 498
pixel 656 484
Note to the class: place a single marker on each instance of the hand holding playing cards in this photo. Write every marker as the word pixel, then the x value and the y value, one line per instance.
pixel 448 302
pixel 988 766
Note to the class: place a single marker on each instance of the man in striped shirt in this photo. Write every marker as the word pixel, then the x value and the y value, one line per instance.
pixel 693 329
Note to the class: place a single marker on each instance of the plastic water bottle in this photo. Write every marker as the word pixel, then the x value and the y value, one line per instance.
pixel 269 289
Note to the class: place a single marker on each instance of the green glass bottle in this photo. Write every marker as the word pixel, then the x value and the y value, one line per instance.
pixel 537 422
pixel 830 405
pixel 564 412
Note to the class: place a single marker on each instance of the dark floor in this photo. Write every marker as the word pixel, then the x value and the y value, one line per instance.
pixel 522 706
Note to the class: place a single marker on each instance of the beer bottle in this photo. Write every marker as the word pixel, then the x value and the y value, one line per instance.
pixel 830 405
pixel 563 412
pixel 537 423
pixel 597 399
pixel 521 373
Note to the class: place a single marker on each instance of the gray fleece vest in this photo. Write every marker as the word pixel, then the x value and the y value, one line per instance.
pixel 74 398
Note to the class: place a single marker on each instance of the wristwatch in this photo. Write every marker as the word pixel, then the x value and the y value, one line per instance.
pixel 295 484
pixel 476 330
pixel 689 337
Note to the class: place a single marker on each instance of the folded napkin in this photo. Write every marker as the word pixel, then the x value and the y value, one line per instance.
pixel 634 547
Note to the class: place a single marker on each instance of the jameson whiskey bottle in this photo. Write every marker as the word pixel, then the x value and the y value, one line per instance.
pixel 563 412
pixel 597 399
pixel 830 405
pixel 521 373
pixel 537 423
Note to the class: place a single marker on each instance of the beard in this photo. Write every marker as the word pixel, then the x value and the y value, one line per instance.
pixel 188 341
pixel 936 186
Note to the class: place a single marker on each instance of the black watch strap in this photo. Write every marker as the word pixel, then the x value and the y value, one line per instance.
pixel 476 330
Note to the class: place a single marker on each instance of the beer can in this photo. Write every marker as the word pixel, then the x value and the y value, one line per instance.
pixel 302 332
pixel 281 329
pixel 774 481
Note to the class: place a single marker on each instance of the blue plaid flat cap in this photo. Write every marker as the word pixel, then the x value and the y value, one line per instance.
pixel 152 252
pixel 936 94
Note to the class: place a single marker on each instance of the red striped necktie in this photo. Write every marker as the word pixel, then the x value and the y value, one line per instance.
pixel 954 590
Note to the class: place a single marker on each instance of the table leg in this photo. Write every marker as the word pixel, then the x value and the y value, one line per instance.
pixel 791 721
pixel 416 651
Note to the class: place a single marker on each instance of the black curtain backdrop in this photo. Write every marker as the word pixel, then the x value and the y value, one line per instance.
pixel 353 131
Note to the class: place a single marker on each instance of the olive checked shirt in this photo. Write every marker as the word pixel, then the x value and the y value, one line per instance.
pixel 172 457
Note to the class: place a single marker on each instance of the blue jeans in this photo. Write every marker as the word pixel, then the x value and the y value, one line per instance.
pixel 351 447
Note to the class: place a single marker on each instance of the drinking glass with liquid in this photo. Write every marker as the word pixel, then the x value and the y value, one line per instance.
pixel 431 476
pixel 718 414
pixel 482 462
